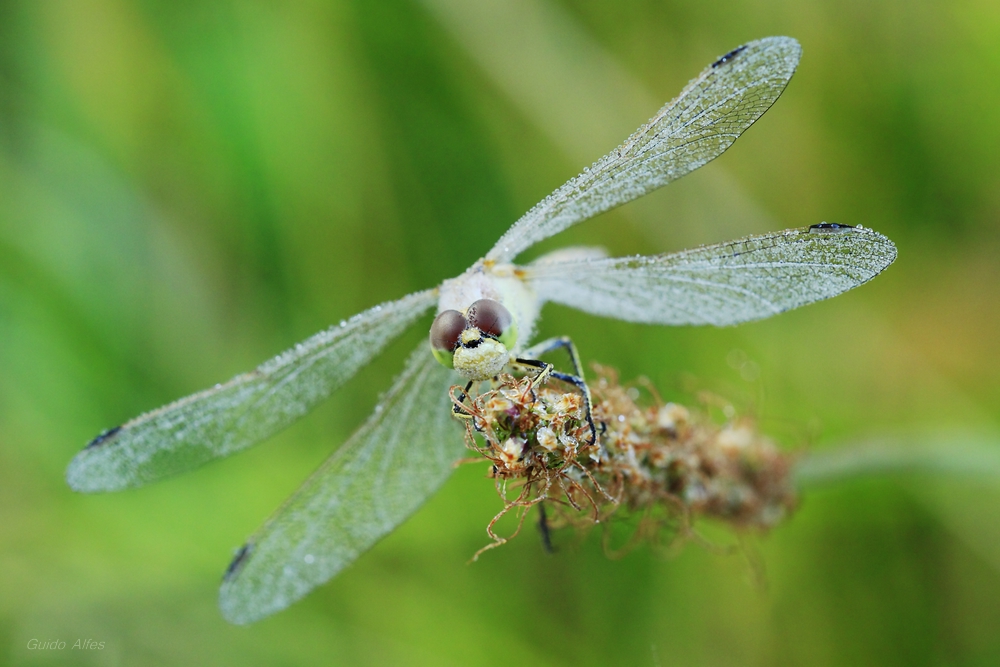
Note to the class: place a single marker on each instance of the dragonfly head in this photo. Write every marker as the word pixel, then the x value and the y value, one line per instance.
pixel 477 343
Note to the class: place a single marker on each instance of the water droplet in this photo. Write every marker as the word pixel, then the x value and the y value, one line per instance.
pixel 343 323
pixel 309 559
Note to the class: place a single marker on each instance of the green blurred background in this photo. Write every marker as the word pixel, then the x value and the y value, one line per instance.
pixel 187 188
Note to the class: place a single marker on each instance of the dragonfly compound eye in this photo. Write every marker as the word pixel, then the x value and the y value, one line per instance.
pixel 445 332
pixel 493 319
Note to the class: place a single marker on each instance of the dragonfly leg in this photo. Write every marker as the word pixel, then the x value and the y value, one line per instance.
pixel 544 369
pixel 578 382
pixel 551 344
pixel 543 528
pixel 462 396
pixel 547 369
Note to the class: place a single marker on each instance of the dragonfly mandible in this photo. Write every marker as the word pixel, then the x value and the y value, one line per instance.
pixel 407 447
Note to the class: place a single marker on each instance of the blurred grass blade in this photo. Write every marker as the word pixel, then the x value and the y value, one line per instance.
pixel 966 455
pixel 552 68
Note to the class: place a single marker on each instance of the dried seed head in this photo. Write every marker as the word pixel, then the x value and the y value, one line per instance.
pixel 662 462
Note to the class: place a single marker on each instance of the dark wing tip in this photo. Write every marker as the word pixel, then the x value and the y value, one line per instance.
pixel 85 472
pixel 881 251
pixel 239 559
pixel 789 45
pixel 729 56
pixel 103 437
pixel 828 228
pixel 233 601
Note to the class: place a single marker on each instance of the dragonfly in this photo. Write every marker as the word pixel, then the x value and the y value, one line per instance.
pixel 485 319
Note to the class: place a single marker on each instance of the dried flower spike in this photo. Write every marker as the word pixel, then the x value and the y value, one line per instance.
pixel 661 462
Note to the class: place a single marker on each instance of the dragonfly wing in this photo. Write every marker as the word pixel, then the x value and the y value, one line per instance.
pixel 723 284
pixel 388 468
pixel 705 119
pixel 249 408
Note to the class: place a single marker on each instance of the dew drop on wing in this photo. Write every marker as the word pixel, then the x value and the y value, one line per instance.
pixel 729 56
pixel 103 437
pixel 237 562
pixel 829 228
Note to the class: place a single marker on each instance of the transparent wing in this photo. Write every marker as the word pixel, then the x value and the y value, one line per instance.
pixel 722 284
pixel 394 462
pixel 249 408
pixel 705 119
